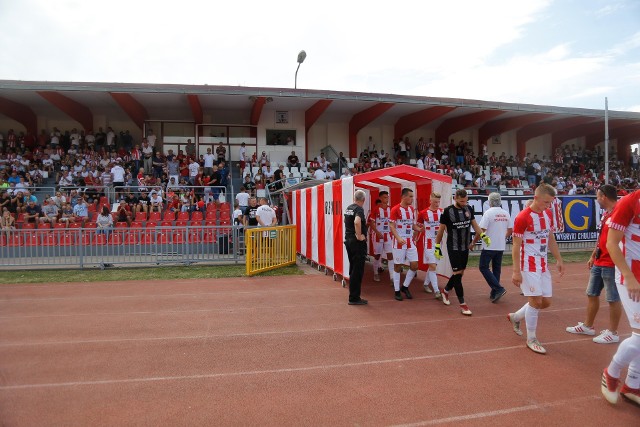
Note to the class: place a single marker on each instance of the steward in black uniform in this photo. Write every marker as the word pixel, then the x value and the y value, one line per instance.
pixel 355 226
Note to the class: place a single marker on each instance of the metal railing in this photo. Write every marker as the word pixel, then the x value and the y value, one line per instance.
pixel 269 248
pixel 82 247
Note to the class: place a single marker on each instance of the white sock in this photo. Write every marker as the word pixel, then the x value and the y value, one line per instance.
pixel 633 374
pixel 531 318
pixel 519 315
pixel 408 278
pixel 433 278
pixel 628 350
pixel 376 262
pixel 396 281
pixel 391 268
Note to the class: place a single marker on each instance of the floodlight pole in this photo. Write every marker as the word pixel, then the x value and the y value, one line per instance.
pixel 606 140
pixel 301 57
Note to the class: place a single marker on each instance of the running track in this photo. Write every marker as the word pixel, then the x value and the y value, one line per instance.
pixel 289 351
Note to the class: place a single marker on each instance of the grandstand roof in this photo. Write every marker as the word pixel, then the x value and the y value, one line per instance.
pixel 24 101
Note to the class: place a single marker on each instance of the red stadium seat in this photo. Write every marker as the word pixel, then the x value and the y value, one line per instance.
pixel 183 216
pixel 32 239
pixel 15 239
pixel 75 224
pixel 225 215
pixel 44 226
pixel 115 239
pixel 136 224
pixel 151 224
pixel 49 239
pixel 154 216
pixel 162 238
pixel 66 239
pixel 141 216
pixel 211 216
pixel 131 239
pixel 169 215
pixel 178 236
pixel 209 235
pixel 194 235
pixel 85 239
pixel 59 225
pixel 29 226
pixel 166 224
pixel 148 237
pixel 122 225
pixel 91 225
pixel 196 216
pixel 99 239
pixel 181 223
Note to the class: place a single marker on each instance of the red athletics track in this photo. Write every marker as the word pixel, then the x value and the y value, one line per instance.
pixel 290 351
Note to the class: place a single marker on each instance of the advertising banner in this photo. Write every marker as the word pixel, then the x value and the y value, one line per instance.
pixel 578 217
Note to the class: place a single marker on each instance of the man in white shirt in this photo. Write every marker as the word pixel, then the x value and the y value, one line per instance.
pixel 194 167
pixel 319 174
pixel 111 137
pixel 330 174
pixel 265 215
pixel 243 199
pixel 498 225
pixel 208 162
pixel 151 138
pixel 243 156
pixel 118 172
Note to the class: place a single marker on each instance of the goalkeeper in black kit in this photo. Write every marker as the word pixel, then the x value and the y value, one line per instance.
pixel 458 219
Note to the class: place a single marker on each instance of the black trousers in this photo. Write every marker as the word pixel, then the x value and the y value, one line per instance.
pixel 357 252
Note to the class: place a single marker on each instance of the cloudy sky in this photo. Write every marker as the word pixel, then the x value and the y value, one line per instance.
pixel 565 52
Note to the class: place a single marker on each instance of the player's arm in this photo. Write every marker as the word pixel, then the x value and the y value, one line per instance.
pixel 480 232
pixel 553 247
pixel 357 225
pixel 613 247
pixel 516 277
pixel 394 233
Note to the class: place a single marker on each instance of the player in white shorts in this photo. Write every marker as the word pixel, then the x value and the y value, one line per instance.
pixel 532 238
pixel 624 230
pixel 430 219
pixel 402 224
pixel 381 237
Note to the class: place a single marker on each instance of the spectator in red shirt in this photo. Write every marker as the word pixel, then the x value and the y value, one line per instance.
pixel 602 276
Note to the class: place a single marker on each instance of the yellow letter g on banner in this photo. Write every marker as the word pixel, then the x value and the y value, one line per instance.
pixel 567 215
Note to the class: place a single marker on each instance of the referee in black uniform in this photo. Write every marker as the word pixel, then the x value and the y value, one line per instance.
pixel 458 220
pixel 355 227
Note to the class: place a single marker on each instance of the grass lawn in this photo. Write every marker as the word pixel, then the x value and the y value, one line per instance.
pixel 150 273
pixel 192 272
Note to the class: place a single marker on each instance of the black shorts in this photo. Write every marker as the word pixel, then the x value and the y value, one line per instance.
pixel 458 259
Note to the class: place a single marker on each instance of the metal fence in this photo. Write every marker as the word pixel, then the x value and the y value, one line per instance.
pixel 83 247
pixel 269 248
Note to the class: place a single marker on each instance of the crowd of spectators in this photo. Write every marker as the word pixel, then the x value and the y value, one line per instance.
pixel 92 170
pixel 112 166
pixel 571 170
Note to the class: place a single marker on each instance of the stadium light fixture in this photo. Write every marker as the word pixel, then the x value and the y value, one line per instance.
pixel 301 57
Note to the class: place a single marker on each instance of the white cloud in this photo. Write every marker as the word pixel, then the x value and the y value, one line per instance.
pixel 433 48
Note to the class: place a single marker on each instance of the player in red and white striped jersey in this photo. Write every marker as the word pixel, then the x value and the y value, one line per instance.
pixel 379 226
pixel 623 244
pixel 402 224
pixel 430 219
pixel 532 238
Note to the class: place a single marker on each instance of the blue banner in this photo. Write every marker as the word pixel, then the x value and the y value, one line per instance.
pixel 577 217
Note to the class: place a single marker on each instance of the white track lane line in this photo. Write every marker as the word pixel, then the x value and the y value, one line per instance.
pixel 275 371
pixel 247 334
pixel 506 411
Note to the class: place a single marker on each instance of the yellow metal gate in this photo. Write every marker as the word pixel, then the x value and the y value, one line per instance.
pixel 270 247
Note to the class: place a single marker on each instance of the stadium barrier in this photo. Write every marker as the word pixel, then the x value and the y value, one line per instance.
pixel 269 248
pixel 82 247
